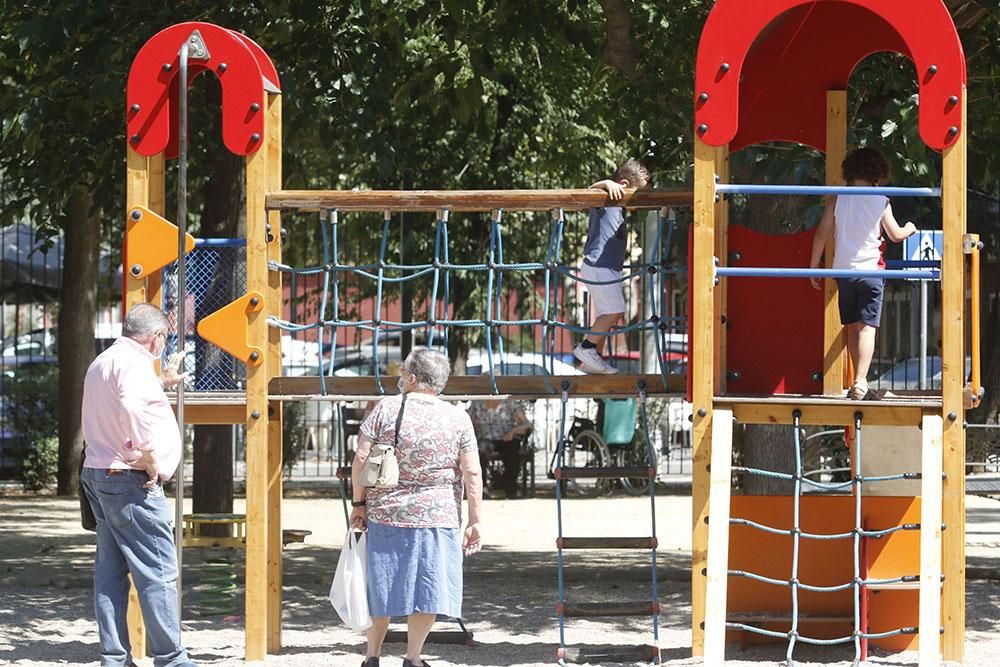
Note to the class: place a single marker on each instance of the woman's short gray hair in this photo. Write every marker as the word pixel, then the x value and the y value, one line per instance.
pixel 143 322
pixel 429 368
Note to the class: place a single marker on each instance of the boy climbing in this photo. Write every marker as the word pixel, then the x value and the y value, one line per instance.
pixel 857 223
pixel 603 261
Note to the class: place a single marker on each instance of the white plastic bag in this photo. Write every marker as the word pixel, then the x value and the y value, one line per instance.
pixel 349 592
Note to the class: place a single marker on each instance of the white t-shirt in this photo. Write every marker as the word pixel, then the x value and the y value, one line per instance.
pixel 858 242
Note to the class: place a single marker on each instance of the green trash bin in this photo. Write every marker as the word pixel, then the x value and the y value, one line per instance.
pixel 619 420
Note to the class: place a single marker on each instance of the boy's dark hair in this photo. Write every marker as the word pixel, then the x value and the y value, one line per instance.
pixel 632 171
pixel 865 164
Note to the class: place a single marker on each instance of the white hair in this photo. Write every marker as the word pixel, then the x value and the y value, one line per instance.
pixel 143 321
pixel 429 368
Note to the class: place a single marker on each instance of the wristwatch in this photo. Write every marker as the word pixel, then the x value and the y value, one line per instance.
pixel 359 503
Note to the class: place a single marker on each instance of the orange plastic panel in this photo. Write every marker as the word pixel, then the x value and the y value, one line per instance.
pixel 227 328
pixel 150 242
pixel 826 562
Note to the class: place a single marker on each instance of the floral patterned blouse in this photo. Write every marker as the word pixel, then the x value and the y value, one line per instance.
pixel 432 435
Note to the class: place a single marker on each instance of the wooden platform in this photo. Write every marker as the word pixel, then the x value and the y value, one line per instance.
pixel 468 200
pixel 829 410
pixel 466 387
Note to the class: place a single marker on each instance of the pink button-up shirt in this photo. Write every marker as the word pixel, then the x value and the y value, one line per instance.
pixel 125 410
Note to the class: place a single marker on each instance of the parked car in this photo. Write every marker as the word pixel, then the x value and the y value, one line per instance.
pixel 905 375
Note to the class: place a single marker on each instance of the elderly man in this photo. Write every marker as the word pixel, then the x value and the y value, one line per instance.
pixel 133 446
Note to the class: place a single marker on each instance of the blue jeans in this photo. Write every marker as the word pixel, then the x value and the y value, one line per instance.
pixel 134 535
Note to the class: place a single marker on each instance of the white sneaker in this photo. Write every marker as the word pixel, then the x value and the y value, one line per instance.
pixel 591 361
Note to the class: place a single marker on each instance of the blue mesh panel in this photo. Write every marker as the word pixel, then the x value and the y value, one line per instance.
pixel 215 274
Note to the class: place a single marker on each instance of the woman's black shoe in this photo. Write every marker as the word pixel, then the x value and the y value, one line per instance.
pixel 408 663
pixel 370 662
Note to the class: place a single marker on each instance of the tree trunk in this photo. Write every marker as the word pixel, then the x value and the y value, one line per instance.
pixel 212 483
pixel 619 51
pixel 77 318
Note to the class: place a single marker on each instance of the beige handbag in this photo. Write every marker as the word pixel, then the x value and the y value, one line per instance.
pixel 381 468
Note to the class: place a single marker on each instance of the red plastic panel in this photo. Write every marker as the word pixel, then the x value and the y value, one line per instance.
pixel 775 336
pixel 152 89
pixel 790 52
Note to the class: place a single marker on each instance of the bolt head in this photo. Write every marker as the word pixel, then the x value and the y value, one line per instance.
pixel 255 107
pixel 134 108
pixel 724 67
pixel 702 128
pixel 167 67
pixel 932 69
pixel 702 412
pixel 255 137
pixel 703 97
pixel 254 356
pixel 135 270
pixel 254 301
pixel 953 100
pixel 136 214
pixel 134 138
pixel 953 130
pixel 223 67
pixel 255 414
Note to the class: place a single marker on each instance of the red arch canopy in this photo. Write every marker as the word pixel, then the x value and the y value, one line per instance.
pixel 243 68
pixel 764 69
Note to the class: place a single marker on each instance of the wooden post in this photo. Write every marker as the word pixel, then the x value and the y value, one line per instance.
pixel 722 252
pixel 718 536
pixel 274 414
pixel 953 207
pixel 702 291
pixel 257 421
pixel 137 193
pixel 157 204
pixel 834 343
pixel 930 540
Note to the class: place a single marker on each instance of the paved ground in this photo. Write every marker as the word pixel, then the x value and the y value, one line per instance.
pixel 46 609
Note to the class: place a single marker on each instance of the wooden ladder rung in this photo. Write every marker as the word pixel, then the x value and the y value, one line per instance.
pixel 605 473
pixel 786 617
pixel 599 609
pixel 608 653
pixel 606 543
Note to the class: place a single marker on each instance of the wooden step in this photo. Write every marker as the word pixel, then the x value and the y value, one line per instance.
pixel 605 473
pixel 599 655
pixel 606 543
pixel 748 617
pixel 601 609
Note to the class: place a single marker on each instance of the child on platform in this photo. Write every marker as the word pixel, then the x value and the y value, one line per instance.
pixel 603 261
pixel 857 223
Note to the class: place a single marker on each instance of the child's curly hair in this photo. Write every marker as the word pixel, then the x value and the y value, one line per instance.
pixel 865 164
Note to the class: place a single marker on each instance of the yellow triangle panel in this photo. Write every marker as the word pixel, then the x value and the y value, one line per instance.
pixel 150 242
pixel 228 327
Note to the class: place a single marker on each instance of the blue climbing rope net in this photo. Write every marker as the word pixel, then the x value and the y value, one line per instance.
pixel 859 580
pixel 440 319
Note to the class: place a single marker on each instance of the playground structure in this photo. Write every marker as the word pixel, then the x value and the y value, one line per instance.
pixel 751 58
pixel 749 55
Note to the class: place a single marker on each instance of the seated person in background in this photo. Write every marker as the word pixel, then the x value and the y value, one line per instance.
pixel 604 255
pixel 500 426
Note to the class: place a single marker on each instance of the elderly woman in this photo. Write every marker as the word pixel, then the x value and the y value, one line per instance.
pixel 415 543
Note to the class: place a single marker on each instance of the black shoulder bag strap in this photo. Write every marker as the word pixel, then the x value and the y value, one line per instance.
pixel 399 422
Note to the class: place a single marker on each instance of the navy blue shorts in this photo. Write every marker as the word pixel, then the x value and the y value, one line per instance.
pixel 860 300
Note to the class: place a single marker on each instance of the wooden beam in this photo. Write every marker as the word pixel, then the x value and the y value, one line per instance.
pixel 272 301
pixel 462 387
pixel 219 413
pixel 953 209
pixel 136 194
pixel 722 252
pixel 256 415
pixel 467 200
pixel 930 540
pixel 834 338
pixel 765 412
pixel 157 204
pixel 700 361
pixel 718 536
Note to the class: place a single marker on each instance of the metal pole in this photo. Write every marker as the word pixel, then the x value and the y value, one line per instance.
pixel 181 323
pixel 647 354
pixel 923 334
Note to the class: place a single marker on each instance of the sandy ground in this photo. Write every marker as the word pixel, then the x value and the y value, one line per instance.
pixel 46 615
